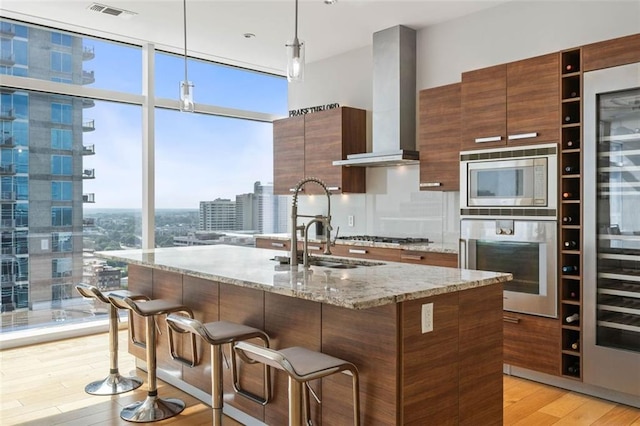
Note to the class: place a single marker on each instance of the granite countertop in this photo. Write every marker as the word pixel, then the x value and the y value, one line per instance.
pixel 451 248
pixel 358 288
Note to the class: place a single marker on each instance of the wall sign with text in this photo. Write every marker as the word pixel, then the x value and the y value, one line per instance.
pixel 309 110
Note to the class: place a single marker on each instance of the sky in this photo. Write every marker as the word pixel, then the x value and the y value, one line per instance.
pixel 198 157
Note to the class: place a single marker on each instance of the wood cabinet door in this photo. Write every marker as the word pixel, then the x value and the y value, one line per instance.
pixel 611 53
pixel 273 244
pixel 532 342
pixel 429 258
pixel 533 106
pixel 354 141
pixel 367 253
pixel 484 108
pixel 439 138
pixel 288 154
pixel 323 145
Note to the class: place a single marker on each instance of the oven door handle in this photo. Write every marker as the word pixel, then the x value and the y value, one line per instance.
pixel 462 254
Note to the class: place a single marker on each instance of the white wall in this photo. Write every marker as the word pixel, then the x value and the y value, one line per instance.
pixel 517 30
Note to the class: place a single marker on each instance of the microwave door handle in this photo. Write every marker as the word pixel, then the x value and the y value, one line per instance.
pixel 462 254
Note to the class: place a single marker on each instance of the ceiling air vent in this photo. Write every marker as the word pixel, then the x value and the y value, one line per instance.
pixel 113 11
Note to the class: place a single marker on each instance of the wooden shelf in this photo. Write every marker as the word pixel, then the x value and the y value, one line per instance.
pixel 571 105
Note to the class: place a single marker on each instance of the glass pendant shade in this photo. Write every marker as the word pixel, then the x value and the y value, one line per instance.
pixel 295 61
pixel 186 96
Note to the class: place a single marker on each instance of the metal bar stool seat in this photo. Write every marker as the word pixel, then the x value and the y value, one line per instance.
pixel 216 334
pixel 154 408
pixel 301 365
pixel 114 383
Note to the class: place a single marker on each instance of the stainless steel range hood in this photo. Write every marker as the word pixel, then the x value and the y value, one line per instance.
pixel 394 101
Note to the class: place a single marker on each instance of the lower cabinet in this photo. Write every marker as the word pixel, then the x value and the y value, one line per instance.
pixel 532 342
pixel 371 253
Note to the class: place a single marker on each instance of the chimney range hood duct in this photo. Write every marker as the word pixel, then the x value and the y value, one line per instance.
pixel 394 101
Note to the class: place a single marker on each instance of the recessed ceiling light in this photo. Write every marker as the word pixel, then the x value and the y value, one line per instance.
pixel 249 35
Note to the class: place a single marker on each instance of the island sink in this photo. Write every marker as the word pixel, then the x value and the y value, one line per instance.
pixel 331 262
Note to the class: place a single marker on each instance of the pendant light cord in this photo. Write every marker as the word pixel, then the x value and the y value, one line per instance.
pixel 184 14
pixel 296 27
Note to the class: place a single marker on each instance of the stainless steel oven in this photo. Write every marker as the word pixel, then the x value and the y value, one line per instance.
pixel 509 177
pixel 526 249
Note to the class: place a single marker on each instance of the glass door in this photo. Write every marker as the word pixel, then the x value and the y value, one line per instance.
pixel 618 219
pixel 610 314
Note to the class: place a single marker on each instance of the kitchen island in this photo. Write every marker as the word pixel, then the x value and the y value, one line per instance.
pixel 445 369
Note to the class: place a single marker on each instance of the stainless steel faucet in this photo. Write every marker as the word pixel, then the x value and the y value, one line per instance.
pixel 326 220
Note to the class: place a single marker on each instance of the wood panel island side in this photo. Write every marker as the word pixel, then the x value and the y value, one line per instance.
pixel 369 315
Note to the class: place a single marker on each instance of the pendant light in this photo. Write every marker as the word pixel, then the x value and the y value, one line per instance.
pixel 186 86
pixel 295 56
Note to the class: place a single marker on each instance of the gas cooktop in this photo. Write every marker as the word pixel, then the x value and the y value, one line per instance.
pixel 391 240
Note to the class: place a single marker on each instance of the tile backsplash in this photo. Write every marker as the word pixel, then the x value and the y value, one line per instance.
pixel 392 206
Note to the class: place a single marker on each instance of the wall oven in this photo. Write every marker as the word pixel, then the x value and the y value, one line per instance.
pixel 518 177
pixel 524 248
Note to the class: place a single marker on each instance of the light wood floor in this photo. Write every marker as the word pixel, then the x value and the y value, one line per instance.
pixel 44 385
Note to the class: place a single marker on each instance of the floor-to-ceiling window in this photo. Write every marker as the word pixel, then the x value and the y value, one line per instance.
pixel 71 161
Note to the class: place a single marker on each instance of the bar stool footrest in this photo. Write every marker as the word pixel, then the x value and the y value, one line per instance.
pixel 251 396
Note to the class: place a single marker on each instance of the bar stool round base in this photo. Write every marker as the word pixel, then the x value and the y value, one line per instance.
pixel 113 385
pixel 152 409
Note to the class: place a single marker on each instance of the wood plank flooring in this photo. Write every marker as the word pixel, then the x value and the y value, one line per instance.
pixel 44 385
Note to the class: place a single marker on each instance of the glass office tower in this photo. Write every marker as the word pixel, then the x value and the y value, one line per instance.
pixel 41 169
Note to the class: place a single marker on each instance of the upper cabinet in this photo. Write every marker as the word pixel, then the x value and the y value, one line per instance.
pixel 288 153
pixel 484 107
pixel 307 146
pixel 611 53
pixel 439 138
pixel 511 104
pixel 533 94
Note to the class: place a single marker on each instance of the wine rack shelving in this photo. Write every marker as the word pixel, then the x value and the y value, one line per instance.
pixel 571 213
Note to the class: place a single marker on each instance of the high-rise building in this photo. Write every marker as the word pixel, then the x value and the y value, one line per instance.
pixel 260 212
pixel 217 215
pixel 245 217
pixel 41 168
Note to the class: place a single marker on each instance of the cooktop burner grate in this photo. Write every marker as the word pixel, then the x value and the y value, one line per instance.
pixel 379 239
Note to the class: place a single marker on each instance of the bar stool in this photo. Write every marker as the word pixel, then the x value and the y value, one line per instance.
pixel 154 408
pixel 216 334
pixel 114 383
pixel 301 365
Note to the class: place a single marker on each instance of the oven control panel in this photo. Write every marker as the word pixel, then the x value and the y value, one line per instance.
pixel 504 227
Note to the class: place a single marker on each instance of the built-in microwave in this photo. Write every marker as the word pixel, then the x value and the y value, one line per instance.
pixel 522 177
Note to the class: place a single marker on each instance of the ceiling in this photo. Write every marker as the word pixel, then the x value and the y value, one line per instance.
pixel 215 29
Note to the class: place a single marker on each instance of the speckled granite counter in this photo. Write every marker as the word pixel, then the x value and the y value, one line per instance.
pixel 358 288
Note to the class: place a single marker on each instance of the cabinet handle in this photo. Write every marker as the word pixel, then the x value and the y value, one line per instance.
pixel 314 248
pixel 523 136
pixel 277 245
pixel 489 139
pixel 411 257
pixel 512 320
pixel 357 251
pixel 333 188
pixel 430 184
pixel 294 190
